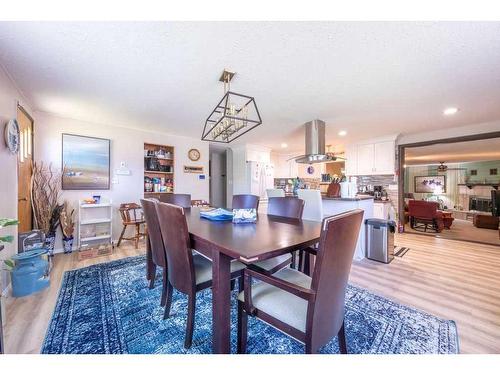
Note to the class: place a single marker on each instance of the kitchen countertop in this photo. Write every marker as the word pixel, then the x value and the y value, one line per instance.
pixel 359 198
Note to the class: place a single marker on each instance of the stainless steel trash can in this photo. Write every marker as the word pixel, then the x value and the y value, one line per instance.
pixel 380 239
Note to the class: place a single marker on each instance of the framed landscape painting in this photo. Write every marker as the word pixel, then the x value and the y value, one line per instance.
pixel 430 184
pixel 85 162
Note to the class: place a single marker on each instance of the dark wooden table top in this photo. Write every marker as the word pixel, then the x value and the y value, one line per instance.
pixel 268 237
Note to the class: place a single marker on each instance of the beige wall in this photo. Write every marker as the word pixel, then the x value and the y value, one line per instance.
pixel 9 97
pixel 126 146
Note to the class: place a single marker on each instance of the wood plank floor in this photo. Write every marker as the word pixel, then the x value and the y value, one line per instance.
pixel 451 279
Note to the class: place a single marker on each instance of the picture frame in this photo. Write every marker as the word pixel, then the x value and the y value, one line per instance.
pixel 85 162
pixel 430 184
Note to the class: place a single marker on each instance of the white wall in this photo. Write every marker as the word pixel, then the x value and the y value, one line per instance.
pixel 126 146
pixel 9 97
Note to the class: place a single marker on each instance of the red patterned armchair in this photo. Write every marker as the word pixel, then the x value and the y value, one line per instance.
pixel 425 214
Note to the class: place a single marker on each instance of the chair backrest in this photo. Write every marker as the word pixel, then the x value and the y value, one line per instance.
pixel 130 212
pixel 241 201
pixel 175 234
pixel 422 209
pixel 271 193
pixel 339 236
pixel 183 200
pixel 313 205
pixel 154 232
pixel 285 207
pixel 495 202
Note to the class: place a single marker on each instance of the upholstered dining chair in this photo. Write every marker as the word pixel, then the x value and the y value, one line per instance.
pixel 183 200
pixel 131 215
pixel 313 210
pixel 188 272
pixel 310 309
pixel 155 243
pixel 287 207
pixel 245 201
pixel 272 193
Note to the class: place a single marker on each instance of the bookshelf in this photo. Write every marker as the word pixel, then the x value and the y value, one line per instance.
pixel 158 170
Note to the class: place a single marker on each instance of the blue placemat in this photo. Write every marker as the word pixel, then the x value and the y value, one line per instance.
pixel 218 214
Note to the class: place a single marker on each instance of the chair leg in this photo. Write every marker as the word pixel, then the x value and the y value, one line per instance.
pixel 165 287
pixel 190 321
pixel 242 329
pixel 342 340
pixel 300 266
pixel 168 300
pixel 137 235
pixel 121 236
pixel 152 276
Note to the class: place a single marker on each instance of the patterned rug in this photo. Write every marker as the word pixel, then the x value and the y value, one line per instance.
pixel 108 308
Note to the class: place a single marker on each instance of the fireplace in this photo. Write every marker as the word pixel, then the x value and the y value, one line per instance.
pixel 480 204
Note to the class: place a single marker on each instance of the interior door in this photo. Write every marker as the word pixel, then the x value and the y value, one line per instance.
pixel 24 170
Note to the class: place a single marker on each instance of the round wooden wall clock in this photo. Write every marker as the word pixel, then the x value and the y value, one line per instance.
pixel 12 135
pixel 194 154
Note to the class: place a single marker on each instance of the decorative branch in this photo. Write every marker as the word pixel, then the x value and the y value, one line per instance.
pixel 45 192
pixel 67 221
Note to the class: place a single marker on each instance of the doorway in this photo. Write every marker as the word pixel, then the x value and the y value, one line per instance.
pixel 24 170
pixel 218 177
pixel 449 188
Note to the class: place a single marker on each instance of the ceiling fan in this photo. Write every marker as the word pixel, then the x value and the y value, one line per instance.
pixel 443 168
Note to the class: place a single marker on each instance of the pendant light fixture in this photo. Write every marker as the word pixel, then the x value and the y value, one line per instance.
pixel 234 115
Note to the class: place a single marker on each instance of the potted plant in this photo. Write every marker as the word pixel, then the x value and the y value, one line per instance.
pixel 9 264
pixel 67 227
pixel 45 191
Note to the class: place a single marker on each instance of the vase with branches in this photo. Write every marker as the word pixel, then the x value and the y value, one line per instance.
pixel 67 227
pixel 45 192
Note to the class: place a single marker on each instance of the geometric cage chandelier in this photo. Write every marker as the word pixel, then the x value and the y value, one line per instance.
pixel 235 115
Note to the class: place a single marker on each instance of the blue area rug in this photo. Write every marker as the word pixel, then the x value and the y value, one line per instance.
pixel 108 308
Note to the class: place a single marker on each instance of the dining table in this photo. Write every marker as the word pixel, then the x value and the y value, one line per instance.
pixel 224 241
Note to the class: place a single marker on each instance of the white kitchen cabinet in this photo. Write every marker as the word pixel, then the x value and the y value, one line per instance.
pixel 384 157
pixel 351 163
pixel 365 159
pixel 382 210
pixel 375 157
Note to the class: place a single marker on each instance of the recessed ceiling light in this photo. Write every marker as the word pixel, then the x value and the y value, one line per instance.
pixel 342 133
pixel 284 145
pixel 450 111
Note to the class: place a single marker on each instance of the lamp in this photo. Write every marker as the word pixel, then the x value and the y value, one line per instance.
pixel 234 115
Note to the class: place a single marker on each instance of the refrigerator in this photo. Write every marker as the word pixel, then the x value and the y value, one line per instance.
pixel 260 177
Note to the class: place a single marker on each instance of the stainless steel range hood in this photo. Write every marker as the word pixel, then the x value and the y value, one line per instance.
pixel 315 144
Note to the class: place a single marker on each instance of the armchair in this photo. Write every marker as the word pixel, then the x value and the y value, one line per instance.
pixel 423 214
pixel 310 309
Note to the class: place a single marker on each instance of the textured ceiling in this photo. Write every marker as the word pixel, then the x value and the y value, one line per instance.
pixel 367 78
pixel 486 149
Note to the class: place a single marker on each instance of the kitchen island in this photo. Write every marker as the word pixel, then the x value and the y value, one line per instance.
pixel 334 206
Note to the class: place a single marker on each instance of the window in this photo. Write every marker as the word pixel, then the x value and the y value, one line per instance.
pixel 493 172
pixel 473 172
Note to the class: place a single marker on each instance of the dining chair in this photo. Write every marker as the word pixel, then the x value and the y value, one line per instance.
pixel 287 207
pixel 313 204
pixel 131 214
pixel 313 210
pixel 309 309
pixel 155 242
pixel 188 272
pixel 241 201
pixel 183 200
pixel 272 193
